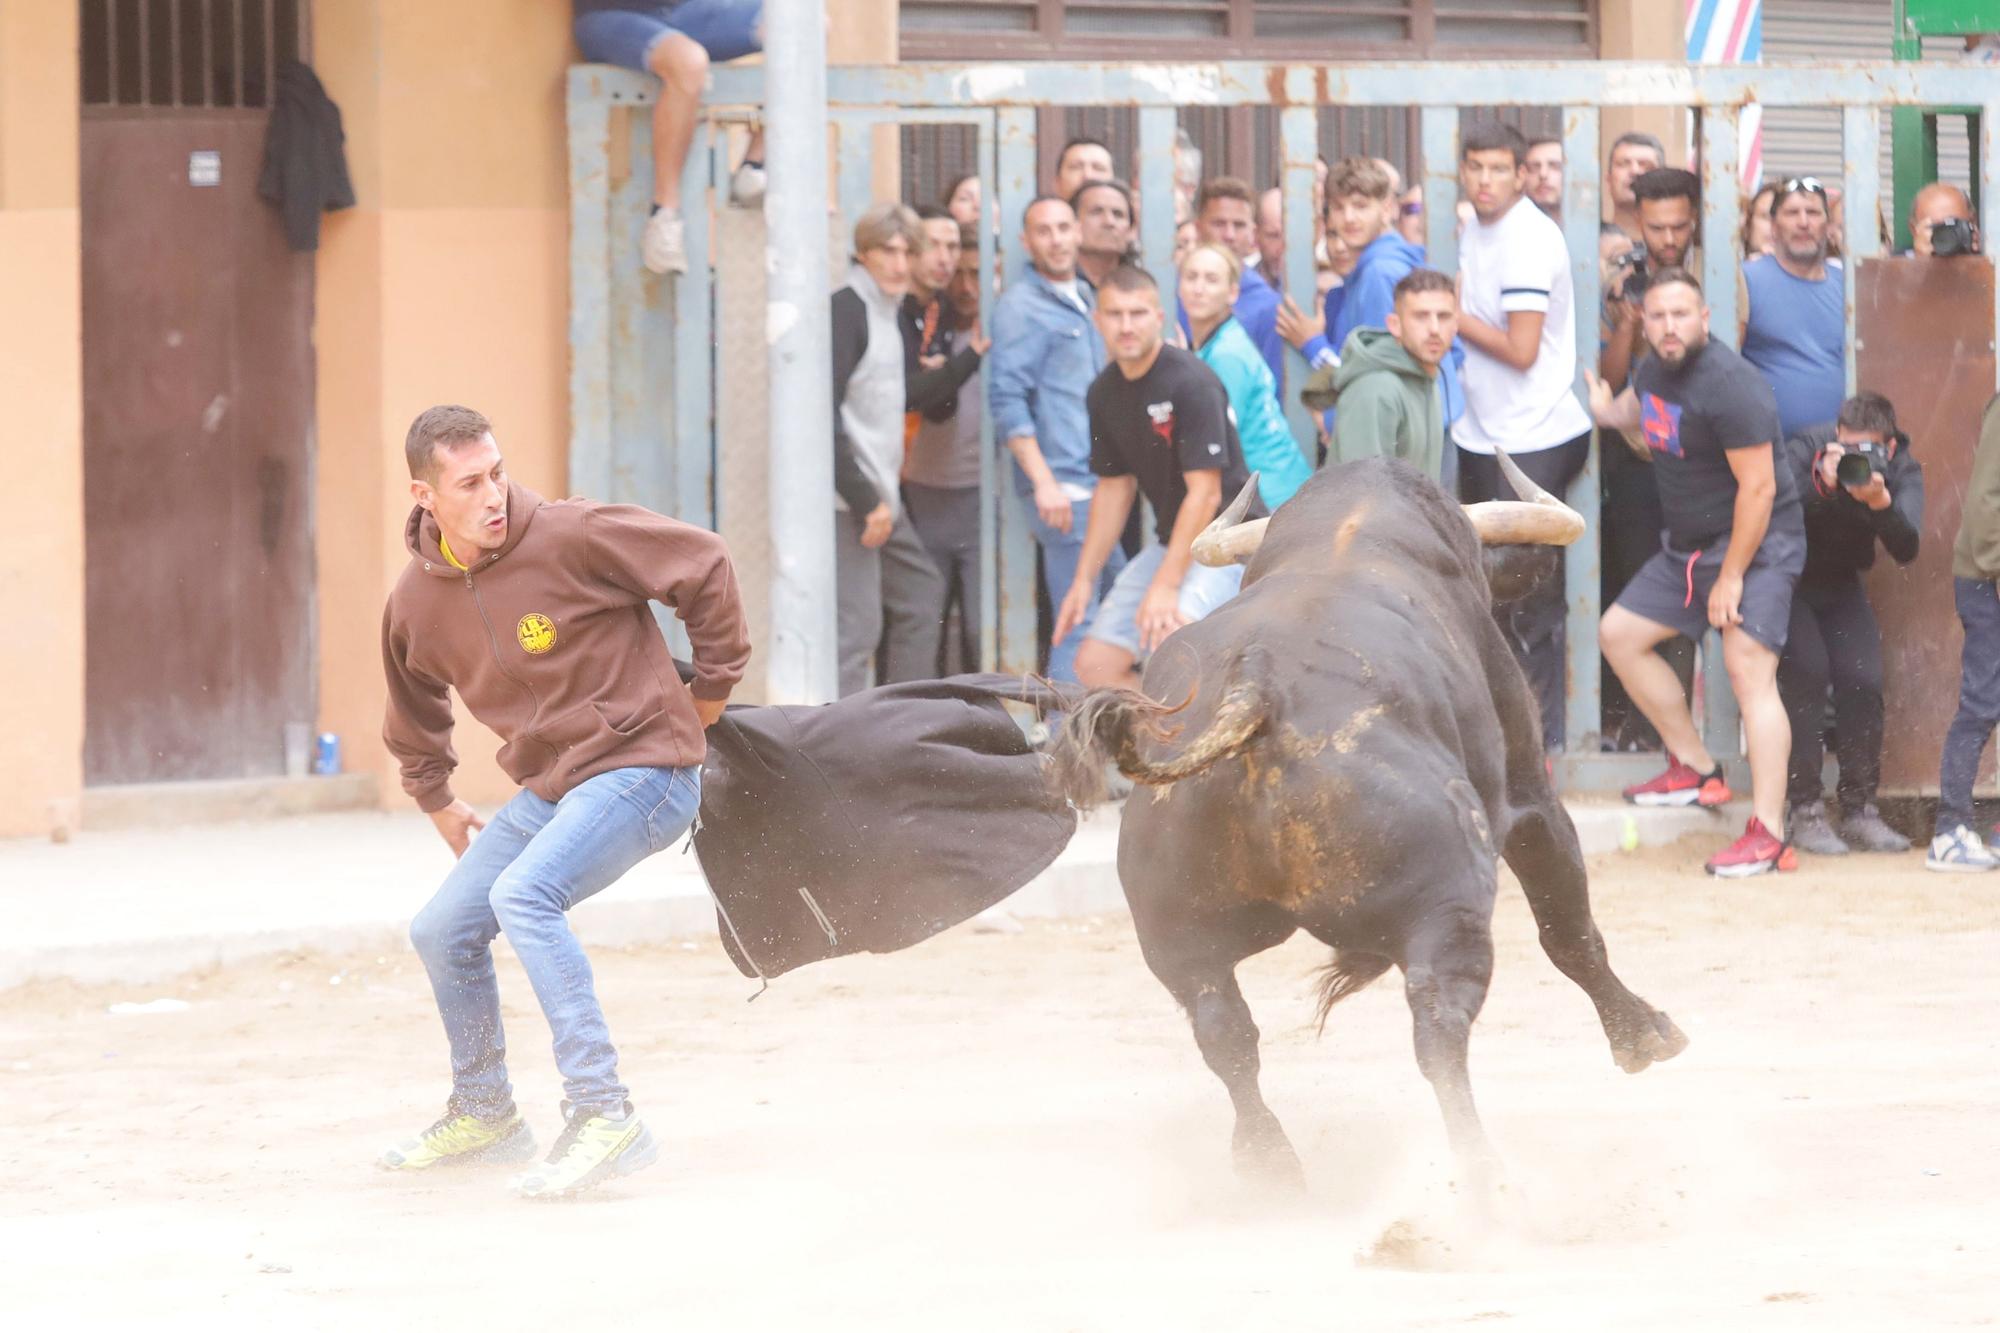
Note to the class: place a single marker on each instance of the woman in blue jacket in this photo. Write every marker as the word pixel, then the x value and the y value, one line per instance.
pixel 1209 281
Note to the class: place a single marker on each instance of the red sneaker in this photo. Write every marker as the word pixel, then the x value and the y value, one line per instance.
pixel 1681 785
pixel 1757 852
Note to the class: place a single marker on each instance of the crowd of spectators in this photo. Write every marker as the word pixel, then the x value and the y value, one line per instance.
pixel 1743 489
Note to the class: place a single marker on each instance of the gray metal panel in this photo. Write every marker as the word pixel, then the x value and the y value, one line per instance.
pixel 1015 578
pixel 991 477
pixel 803 649
pixel 1440 135
pixel 1721 209
pixel 1299 135
pixel 1861 144
pixel 1583 562
pixel 588 115
pixel 1157 125
pixel 1379 83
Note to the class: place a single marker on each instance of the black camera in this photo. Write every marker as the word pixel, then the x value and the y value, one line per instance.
pixel 1952 237
pixel 1633 261
pixel 1862 460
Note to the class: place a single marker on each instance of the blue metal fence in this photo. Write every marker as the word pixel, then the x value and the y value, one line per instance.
pixel 642 374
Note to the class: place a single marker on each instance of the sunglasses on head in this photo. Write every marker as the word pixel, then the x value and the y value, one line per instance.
pixel 1801 185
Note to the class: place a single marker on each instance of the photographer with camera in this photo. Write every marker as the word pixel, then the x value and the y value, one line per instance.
pixel 1669 206
pixel 1941 223
pixel 1861 486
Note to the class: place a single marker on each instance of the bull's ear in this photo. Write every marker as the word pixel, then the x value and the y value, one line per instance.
pixel 1513 570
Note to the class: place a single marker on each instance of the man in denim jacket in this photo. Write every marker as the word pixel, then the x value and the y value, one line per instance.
pixel 1046 351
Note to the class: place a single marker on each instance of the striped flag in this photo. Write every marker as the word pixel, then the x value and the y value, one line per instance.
pixel 1731 32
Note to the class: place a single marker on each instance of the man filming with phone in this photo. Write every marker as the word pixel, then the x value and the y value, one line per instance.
pixel 1861 487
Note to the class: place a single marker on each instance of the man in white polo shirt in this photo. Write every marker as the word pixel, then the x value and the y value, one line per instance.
pixel 1519 327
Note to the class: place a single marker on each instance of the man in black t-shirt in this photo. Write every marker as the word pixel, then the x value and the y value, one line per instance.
pixel 1160 425
pixel 1735 544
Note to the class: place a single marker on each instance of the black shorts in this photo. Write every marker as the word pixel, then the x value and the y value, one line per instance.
pixel 1672 588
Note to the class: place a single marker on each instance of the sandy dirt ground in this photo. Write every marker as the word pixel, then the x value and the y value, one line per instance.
pixel 1016 1133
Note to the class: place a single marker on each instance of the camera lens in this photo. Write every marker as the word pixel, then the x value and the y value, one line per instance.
pixel 1853 469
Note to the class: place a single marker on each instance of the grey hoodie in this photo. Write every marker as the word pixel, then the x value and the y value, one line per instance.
pixel 1389 408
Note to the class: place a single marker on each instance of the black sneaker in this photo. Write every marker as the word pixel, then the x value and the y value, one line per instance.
pixel 1866 831
pixel 1808 831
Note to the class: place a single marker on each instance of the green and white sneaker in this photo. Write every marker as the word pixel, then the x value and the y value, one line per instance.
pixel 596 1145
pixel 462 1140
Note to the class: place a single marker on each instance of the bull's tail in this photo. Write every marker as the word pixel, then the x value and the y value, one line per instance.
pixel 1107 725
pixel 1347 973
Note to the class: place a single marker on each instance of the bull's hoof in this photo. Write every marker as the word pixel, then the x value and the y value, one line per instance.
pixel 1649 1042
pixel 1265 1158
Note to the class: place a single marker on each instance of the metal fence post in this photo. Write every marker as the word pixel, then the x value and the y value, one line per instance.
pixel 1584 561
pixel 1298 130
pixel 1861 144
pixel 1721 216
pixel 1440 132
pixel 804 664
pixel 1015 581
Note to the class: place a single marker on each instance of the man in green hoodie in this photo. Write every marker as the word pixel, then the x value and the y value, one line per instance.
pixel 1388 382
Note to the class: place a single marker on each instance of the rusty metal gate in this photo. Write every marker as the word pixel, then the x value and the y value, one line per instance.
pixel 658 410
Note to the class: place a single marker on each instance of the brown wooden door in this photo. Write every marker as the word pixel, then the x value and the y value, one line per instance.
pixel 198 413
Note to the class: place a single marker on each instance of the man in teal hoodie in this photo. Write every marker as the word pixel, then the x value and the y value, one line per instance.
pixel 1388 382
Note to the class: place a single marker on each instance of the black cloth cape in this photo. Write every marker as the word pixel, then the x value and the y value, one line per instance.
pixel 873 823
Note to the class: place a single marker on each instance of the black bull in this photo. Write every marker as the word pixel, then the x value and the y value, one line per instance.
pixel 1356 751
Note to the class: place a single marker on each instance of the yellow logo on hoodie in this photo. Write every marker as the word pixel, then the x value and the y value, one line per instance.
pixel 537 633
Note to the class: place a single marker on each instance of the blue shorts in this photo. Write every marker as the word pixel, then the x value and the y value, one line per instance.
pixel 1203 590
pixel 726 29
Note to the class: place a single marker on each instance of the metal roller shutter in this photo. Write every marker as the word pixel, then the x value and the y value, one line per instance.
pixel 1799 141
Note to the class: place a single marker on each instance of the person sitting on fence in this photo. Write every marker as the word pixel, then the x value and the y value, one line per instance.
pixel 1210 277
pixel 677 42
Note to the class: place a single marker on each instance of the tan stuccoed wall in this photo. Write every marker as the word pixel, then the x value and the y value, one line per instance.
pixel 1643 30
pixel 449 283
pixel 41 443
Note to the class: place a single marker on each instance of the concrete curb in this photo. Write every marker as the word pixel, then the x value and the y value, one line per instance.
pixel 662 902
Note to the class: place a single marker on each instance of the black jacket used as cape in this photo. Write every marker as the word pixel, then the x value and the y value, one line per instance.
pixel 872 823
pixel 305 156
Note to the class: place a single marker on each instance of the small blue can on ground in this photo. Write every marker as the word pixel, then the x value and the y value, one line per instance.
pixel 326 755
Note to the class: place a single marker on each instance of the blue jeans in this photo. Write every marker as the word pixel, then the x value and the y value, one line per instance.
pixel 1978 700
pixel 726 29
pixel 530 865
pixel 1061 551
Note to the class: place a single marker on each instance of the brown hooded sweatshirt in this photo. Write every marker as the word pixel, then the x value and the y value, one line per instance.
pixel 551 643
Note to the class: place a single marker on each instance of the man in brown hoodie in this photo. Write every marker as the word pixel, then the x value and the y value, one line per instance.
pixel 537 613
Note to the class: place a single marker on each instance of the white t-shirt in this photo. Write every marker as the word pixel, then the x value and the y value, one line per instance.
pixel 1519 263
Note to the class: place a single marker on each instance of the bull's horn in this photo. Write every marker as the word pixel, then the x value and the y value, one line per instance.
pixel 1537 518
pixel 1228 540
pixel 1518 522
pixel 1523 484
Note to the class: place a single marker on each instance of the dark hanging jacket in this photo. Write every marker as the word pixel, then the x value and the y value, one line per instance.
pixel 873 823
pixel 305 156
